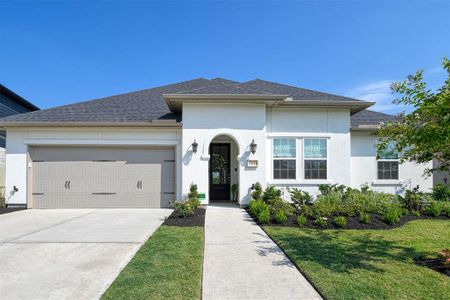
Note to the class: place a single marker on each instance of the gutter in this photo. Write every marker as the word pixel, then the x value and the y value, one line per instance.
pixel 365 128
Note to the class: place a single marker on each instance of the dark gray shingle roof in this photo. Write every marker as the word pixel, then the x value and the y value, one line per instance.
pixel 147 105
pixel 295 92
pixel 370 117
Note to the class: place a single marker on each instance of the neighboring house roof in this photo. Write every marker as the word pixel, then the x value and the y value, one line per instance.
pixel 16 98
pixel 142 107
pixel 370 117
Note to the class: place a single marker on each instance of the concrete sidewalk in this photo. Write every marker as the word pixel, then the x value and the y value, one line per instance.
pixel 242 262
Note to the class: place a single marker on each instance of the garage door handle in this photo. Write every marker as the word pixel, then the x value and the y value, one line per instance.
pixel 139 184
pixel 66 185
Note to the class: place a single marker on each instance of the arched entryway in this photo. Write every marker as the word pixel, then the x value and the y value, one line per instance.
pixel 223 170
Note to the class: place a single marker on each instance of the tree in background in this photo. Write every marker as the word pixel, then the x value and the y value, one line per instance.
pixel 424 134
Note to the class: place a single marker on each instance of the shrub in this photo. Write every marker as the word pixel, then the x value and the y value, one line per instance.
pixel 364 218
pixel 328 188
pixel 300 197
pixel 441 192
pixel 280 217
pixel 258 206
pixel 264 215
pixel 256 191
pixel 321 221
pixel 271 193
pixel 340 221
pixel 326 204
pixel 435 209
pixel 301 220
pixel 279 204
pixel 193 192
pixel 392 214
pixel 415 213
pixel 412 200
pixel 365 188
pixel 184 208
pixel 447 209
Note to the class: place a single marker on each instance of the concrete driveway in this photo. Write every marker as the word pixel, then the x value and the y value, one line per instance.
pixel 69 254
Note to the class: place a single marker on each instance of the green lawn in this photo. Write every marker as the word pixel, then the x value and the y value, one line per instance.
pixel 168 266
pixel 369 264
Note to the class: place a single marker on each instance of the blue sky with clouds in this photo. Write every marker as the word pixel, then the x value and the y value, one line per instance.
pixel 60 52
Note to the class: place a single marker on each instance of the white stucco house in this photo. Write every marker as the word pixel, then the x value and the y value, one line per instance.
pixel 145 148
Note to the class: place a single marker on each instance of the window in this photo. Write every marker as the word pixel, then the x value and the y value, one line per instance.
pixel 387 164
pixel 315 157
pixel 284 158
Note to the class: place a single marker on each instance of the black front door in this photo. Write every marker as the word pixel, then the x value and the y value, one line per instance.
pixel 219 172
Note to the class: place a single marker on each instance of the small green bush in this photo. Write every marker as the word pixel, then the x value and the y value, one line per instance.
pixel 392 214
pixel 415 213
pixel 300 197
pixel 271 193
pixel 193 192
pixel 279 204
pixel 264 215
pixel 321 221
pixel 340 221
pixel 326 204
pixel 435 209
pixel 184 208
pixel 301 220
pixel 256 191
pixel 258 206
pixel 412 200
pixel 365 218
pixel 441 192
pixel 280 217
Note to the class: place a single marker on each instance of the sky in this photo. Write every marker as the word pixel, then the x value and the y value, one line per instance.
pixel 60 52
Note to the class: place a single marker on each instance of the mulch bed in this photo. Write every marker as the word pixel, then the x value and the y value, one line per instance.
pixel 434 264
pixel 6 210
pixel 376 222
pixel 176 219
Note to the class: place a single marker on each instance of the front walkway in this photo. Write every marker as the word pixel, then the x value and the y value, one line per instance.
pixel 242 262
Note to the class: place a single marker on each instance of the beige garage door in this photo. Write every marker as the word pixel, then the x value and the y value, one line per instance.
pixel 102 177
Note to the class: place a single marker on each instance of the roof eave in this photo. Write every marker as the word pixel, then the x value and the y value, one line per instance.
pixel 354 106
pixel 365 128
pixel 174 101
pixel 154 123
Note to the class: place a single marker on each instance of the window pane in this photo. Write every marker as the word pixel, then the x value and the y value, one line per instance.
pixel 388 170
pixel 388 153
pixel 284 169
pixel 315 169
pixel 315 148
pixel 284 148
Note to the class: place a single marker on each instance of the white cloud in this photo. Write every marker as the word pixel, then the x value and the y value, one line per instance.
pixel 379 92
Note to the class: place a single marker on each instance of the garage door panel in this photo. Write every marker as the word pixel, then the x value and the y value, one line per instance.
pixel 65 177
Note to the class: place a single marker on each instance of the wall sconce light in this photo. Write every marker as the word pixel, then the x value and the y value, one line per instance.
pixel 194 146
pixel 253 147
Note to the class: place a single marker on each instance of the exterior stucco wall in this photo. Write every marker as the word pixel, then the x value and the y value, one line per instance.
pixel 240 122
pixel 17 148
pixel 331 124
pixel 364 168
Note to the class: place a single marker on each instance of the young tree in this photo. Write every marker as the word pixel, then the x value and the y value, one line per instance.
pixel 424 134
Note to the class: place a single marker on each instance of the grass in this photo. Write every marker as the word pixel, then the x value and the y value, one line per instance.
pixel 168 266
pixel 369 264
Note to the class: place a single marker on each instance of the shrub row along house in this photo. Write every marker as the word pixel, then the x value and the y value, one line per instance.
pixel 145 148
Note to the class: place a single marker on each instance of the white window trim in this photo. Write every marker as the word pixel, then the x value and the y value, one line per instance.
pixel 287 158
pixel 394 180
pixel 300 161
pixel 316 158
